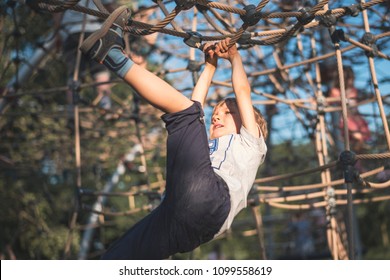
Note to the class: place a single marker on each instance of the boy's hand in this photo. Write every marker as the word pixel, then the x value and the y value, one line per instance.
pixel 210 56
pixel 222 50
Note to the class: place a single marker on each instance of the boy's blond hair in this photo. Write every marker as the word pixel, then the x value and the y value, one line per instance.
pixel 259 117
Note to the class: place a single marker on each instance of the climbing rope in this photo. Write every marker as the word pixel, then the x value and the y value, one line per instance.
pixel 303 20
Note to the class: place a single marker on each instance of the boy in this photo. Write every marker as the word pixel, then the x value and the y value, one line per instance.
pixel 205 186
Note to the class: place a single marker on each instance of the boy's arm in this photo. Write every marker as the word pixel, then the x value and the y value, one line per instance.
pixel 202 86
pixel 241 86
pixel 242 90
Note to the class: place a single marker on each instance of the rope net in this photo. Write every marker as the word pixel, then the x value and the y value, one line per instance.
pixel 294 53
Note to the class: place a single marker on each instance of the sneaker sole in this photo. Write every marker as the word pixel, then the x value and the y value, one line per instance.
pixel 87 45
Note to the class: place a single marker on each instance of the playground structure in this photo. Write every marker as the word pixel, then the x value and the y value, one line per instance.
pixel 282 38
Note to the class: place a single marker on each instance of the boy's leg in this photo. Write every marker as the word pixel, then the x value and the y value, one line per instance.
pixel 148 239
pixel 198 200
pixel 106 46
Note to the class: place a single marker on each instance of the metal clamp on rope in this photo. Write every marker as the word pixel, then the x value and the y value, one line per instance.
pixel 185 4
pixel 305 17
pixel 369 39
pixel 353 10
pixel 347 160
pixel 194 40
pixel 338 35
pixel 328 20
pixel 245 37
pixel 251 16
pixel 193 65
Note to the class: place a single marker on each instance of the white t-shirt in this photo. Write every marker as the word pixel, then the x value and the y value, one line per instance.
pixel 236 158
pixel 72 21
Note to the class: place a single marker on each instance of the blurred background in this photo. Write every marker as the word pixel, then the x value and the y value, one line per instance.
pixel 82 157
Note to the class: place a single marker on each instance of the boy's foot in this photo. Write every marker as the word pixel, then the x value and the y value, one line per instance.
pixel 109 36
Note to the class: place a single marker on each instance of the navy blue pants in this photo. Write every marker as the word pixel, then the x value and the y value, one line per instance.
pixel 196 202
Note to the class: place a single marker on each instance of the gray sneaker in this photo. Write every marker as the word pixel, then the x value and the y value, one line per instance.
pixel 100 42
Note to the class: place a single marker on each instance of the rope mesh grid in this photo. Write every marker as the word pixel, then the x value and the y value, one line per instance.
pixel 275 37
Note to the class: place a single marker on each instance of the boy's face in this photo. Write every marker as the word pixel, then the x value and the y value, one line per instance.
pixel 225 120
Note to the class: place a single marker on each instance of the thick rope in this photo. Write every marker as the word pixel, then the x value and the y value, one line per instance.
pixel 146 29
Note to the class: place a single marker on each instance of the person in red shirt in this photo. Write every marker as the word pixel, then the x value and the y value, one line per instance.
pixel 359 132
